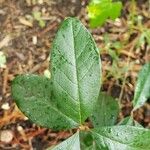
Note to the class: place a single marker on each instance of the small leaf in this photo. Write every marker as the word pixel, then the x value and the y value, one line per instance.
pixel 100 11
pixel 142 90
pixel 72 143
pixel 87 142
pixel 129 121
pixel 76 70
pixel 122 138
pixel 105 112
pixel 38 16
pixel 147 36
pixel 144 37
pixel 141 40
pixel 86 139
pixel 32 94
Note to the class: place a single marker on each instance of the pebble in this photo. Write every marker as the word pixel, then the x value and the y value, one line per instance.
pixel 20 128
pixel 5 106
pixel 34 40
pixel 6 136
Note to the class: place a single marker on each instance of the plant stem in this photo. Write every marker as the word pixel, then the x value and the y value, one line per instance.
pixel 84 128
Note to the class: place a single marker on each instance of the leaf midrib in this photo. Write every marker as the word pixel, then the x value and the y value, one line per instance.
pixel 76 70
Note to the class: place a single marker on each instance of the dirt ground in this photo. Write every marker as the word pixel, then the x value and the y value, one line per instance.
pixel 26 46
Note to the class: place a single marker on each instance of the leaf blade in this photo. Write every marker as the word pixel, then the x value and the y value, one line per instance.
pixel 71 143
pixel 87 142
pixel 75 70
pixel 105 112
pixel 142 90
pixel 100 11
pixel 122 137
pixel 32 94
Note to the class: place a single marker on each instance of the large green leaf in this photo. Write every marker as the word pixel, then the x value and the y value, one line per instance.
pixel 75 64
pixel 100 10
pixel 32 94
pixel 68 98
pixel 105 112
pixel 72 143
pixel 142 90
pixel 122 138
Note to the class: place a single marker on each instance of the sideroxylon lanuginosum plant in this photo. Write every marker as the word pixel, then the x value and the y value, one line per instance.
pixel 72 95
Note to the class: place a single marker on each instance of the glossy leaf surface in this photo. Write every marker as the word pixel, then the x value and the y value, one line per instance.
pixel 32 94
pixel 100 11
pixel 142 90
pixel 105 112
pixel 68 98
pixel 122 138
pixel 75 64
pixel 71 143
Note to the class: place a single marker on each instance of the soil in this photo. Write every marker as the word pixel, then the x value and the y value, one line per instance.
pixel 27 46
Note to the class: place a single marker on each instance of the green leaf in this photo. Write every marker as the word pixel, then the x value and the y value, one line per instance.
pixel 71 143
pixel 32 94
pixel 69 97
pixel 129 121
pixel 141 40
pixel 76 70
pixel 142 90
pixel 144 37
pixel 105 112
pixel 122 138
pixel 87 142
pixel 38 16
pixel 99 12
pixel 147 36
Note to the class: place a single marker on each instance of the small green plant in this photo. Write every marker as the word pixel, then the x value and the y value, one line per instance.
pixel 113 48
pixel 72 94
pixel 144 37
pixel 101 10
pixel 38 17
